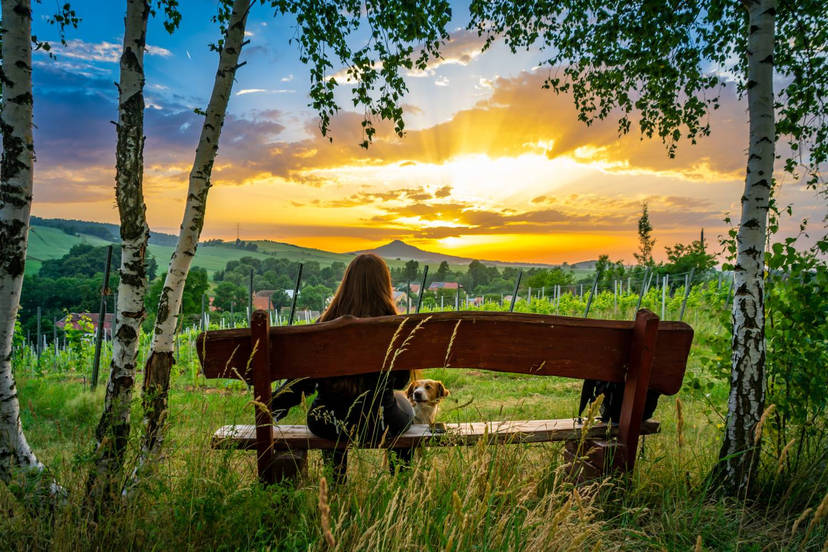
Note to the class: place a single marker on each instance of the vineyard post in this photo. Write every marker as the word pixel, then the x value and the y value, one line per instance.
pixel 514 295
pixel 250 299
pixel 96 362
pixel 457 298
pixel 422 288
pixel 408 297
pixel 37 347
pixel 663 295
pixel 641 292
pixel 295 295
pixel 203 315
pixel 688 281
pixel 55 341
pixel 591 295
pixel 649 280
pixel 615 295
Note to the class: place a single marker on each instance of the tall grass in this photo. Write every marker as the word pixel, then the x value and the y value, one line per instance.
pixel 486 497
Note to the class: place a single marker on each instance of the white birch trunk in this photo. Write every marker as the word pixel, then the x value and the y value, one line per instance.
pixel 739 454
pixel 16 178
pixel 159 363
pixel 113 429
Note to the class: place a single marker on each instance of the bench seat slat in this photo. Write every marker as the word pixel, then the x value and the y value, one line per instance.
pixel 299 437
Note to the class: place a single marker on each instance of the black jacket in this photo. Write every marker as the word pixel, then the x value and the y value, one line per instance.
pixel 347 396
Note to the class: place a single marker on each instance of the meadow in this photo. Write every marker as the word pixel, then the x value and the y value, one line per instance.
pixel 509 497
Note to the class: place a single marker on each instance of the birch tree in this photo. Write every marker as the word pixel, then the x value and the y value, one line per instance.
pixel 403 36
pixel 16 184
pixel 15 206
pixel 160 360
pixel 662 62
pixel 113 428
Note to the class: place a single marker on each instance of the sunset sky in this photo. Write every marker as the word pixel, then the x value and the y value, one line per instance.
pixel 492 166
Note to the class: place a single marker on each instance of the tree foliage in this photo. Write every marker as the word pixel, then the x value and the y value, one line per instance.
pixel 197 285
pixel 646 242
pixel 667 63
pixel 394 38
pixel 682 258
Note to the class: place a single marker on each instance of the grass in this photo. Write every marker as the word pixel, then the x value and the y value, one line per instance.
pixel 510 497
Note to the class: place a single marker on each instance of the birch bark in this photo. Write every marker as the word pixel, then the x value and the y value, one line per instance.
pixel 160 361
pixel 739 452
pixel 112 432
pixel 16 178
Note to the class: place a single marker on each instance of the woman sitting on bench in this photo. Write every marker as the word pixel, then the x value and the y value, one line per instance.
pixel 364 409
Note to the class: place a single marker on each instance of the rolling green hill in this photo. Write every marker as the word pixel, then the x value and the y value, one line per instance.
pixel 52 243
pixel 209 257
pixel 47 242
pixel 53 238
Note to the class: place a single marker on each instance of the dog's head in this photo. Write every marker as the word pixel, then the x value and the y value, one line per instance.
pixel 426 391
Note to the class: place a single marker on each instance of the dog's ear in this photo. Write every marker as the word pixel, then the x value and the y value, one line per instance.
pixel 441 390
pixel 409 392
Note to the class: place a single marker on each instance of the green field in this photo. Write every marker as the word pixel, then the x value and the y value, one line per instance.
pixel 498 497
pixel 52 243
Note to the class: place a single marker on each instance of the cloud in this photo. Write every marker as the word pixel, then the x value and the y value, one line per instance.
pixel 157 51
pixel 460 49
pixel 264 91
pixel 108 52
pixel 519 118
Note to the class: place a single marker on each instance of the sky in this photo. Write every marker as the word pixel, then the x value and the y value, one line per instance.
pixel 492 166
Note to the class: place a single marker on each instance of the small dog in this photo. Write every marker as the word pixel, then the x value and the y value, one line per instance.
pixel 425 396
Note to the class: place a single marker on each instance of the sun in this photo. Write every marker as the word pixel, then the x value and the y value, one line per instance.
pixel 451 241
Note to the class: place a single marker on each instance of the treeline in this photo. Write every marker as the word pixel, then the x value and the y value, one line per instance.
pixel 71 283
pixel 277 275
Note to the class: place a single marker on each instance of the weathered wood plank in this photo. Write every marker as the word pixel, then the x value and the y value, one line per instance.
pixel 299 437
pixel 507 342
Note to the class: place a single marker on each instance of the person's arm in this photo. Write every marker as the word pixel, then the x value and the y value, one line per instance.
pixel 289 394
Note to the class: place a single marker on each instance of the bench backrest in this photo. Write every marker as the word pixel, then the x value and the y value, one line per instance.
pixel 501 341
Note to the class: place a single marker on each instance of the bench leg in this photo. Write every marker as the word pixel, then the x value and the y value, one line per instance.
pixel 290 465
pixel 597 458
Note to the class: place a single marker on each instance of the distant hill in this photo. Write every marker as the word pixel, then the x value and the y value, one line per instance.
pixel 398 249
pixel 102 230
pixel 53 238
pixel 586 265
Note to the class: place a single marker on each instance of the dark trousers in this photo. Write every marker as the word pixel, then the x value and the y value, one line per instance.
pixel 362 425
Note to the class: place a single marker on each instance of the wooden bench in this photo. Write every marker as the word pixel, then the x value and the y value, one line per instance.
pixel 644 354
